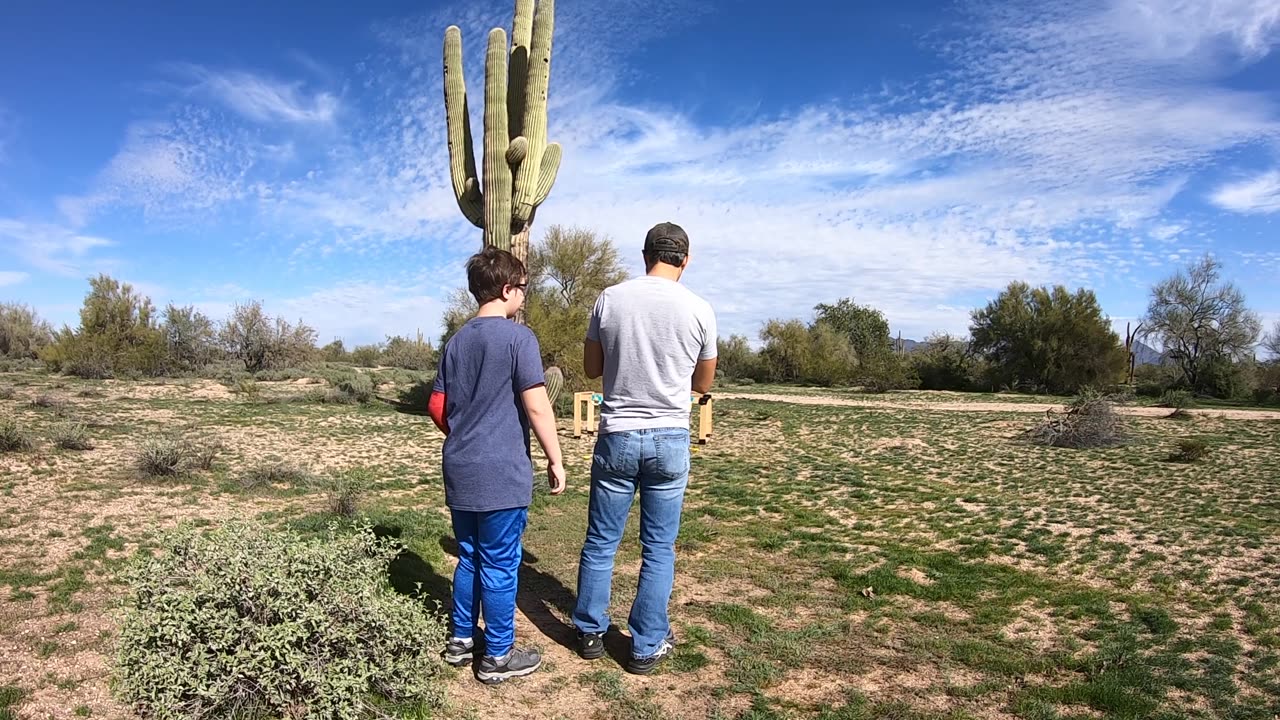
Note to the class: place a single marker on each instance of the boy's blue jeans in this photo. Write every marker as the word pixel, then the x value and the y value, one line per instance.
pixel 655 464
pixel 489 554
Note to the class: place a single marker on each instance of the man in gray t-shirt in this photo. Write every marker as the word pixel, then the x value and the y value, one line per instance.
pixel 653 341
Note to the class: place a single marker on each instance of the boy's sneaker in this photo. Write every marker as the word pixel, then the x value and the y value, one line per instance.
pixel 591 645
pixel 644 666
pixel 458 651
pixel 516 663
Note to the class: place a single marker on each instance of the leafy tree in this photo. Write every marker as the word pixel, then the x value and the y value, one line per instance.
pixel 787 352
pixel 568 269
pixel 1202 323
pixel 414 354
pixel 189 337
pixel 22 332
pixel 735 358
pixel 1051 340
pixel 262 342
pixel 1271 343
pixel 879 368
pixel 117 336
pixel 334 352
pixel 944 362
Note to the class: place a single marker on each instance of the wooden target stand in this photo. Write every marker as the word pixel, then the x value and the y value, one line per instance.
pixel 585 421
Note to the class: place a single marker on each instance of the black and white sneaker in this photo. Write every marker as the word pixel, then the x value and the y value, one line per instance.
pixel 591 645
pixel 458 651
pixel 516 663
pixel 645 665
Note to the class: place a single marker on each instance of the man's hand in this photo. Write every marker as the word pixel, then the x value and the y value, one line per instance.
pixel 555 478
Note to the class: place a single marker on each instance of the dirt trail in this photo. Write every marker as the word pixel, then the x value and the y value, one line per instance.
pixel 1226 414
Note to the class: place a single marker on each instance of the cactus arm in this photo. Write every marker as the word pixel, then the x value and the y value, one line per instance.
pixel 521 35
pixel 547 174
pixel 535 111
pixel 517 151
pixel 497 173
pixel 462 159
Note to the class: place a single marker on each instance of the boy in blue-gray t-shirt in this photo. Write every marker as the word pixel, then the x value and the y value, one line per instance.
pixel 488 394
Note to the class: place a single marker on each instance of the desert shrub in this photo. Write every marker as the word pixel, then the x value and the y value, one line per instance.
pixel 262 342
pixel 401 352
pixel 168 456
pixel 274 472
pixel 1089 421
pixel 71 435
pixel 418 394
pixel 247 622
pixel 344 490
pixel 22 332
pixel 45 400
pixel 190 340
pixel 1177 399
pixel 12 437
pixel 944 362
pixel 6 393
pixel 117 337
pixel 1190 450
pixel 247 387
pixel 366 355
pixel 736 360
pixel 334 352
pixel 358 387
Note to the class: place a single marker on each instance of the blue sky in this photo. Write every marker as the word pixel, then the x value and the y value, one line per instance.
pixel 914 155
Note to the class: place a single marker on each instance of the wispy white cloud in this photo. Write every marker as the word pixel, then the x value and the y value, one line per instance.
pixel 168 168
pixel 260 98
pixel 1259 194
pixel 50 248
pixel 12 277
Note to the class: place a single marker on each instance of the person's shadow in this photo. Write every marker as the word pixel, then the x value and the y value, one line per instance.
pixel 540 595
pixel 410 574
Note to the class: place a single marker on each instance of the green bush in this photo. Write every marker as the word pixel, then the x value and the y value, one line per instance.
pixel 358 387
pixel 401 352
pixel 6 393
pixel 273 472
pixel 12 437
pixel 345 489
pixel 1190 450
pixel 366 355
pixel 168 456
pixel 71 435
pixel 247 622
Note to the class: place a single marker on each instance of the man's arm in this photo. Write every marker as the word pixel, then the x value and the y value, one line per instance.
pixel 703 374
pixel 436 409
pixel 593 359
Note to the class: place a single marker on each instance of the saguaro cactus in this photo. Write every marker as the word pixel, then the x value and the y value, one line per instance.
pixel 519 164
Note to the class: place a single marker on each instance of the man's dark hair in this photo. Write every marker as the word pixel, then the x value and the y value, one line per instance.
pixel 490 270
pixel 666 243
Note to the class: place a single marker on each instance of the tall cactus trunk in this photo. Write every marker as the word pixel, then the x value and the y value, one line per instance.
pixel 520 248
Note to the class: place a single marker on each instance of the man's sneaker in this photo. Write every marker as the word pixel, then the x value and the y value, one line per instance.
pixel 591 645
pixel 458 651
pixel 644 666
pixel 516 663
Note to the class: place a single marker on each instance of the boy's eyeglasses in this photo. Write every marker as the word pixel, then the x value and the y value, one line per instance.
pixel 524 287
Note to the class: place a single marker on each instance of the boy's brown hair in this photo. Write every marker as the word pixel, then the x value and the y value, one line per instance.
pixel 490 270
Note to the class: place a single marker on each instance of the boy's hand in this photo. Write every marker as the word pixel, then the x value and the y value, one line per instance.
pixel 555 478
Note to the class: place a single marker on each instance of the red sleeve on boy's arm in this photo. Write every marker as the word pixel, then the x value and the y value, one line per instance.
pixel 435 408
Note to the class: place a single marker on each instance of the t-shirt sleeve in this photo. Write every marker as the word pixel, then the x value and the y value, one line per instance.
pixel 593 325
pixel 439 385
pixel 528 363
pixel 709 348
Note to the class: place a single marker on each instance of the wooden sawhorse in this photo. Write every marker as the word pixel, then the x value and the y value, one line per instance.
pixel 585 422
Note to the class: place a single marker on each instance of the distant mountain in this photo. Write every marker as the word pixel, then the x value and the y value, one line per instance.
pixel 1144 354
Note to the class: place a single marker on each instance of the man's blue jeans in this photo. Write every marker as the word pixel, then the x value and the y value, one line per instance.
pixel 655 464
pixel 489 554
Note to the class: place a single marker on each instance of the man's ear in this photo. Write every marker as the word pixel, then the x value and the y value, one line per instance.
pixel 685 264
